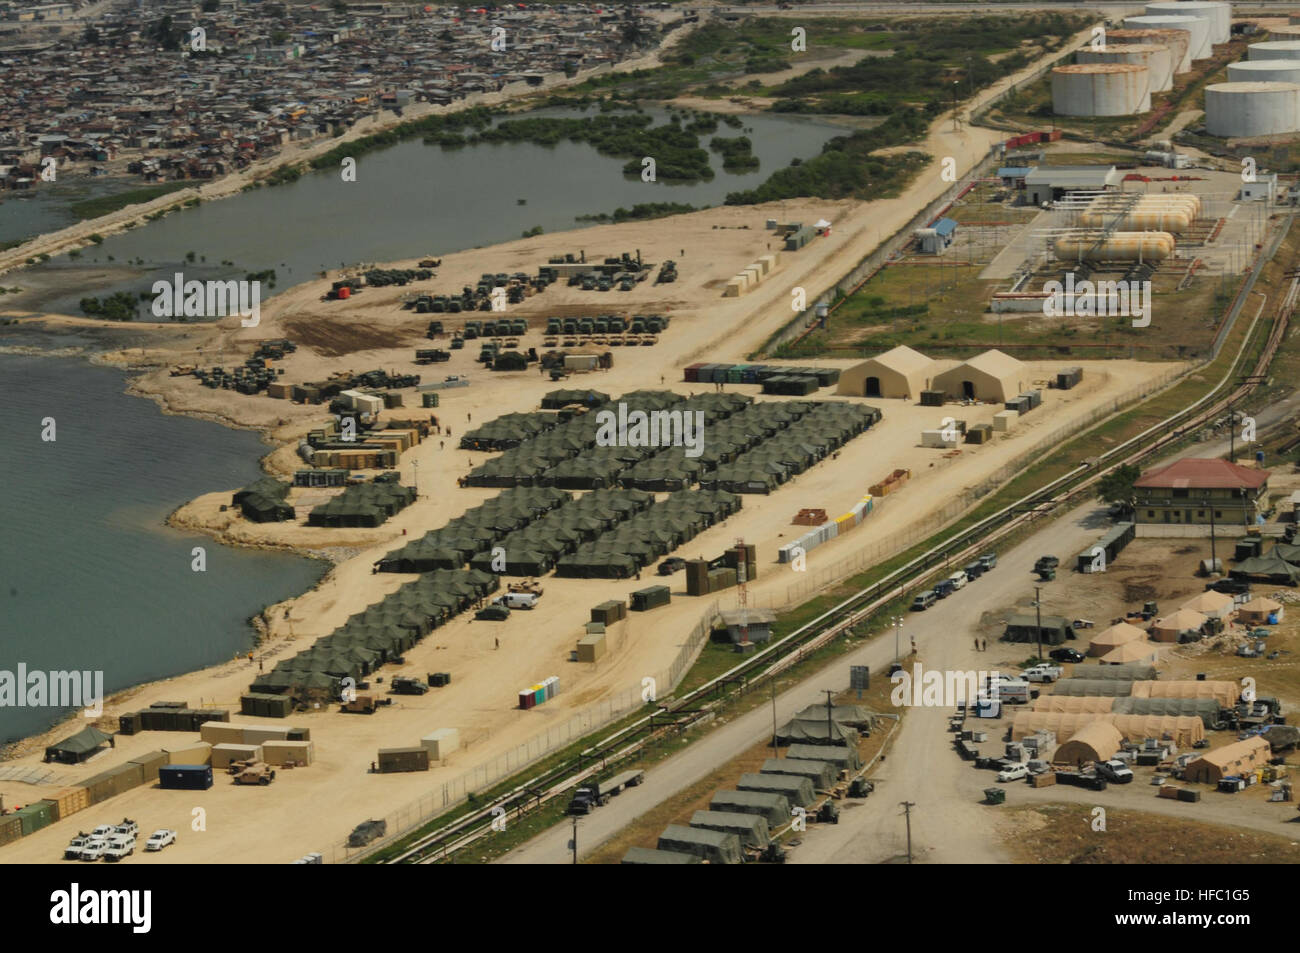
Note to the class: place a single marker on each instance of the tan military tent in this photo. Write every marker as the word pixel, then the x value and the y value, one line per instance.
pixel 1237 758
pixel 1073 704
pixel 1097 741
pixel 1209 603
pixel 1257 611
pixel 1128 652
pixel 993 376
pixel 1172 626
pixel 1183 730
pixel 1225 693
pixel 900 372
pixel 1119 634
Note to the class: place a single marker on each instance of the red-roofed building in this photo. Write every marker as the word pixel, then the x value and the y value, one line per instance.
pixel 1185 490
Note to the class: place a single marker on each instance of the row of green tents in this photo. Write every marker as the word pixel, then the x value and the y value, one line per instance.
pixel 649 535
pixel 265 501
pixel 813 436
pixel 1281 565
pixel 378 634
pixel 534 550
pixel 508 431
pixel 567 456
pixel 364 504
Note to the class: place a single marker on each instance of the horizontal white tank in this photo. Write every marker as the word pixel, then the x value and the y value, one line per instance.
pixel 1199 46
pixel 1274 50
pixel 1246 110
pixel 1156 57
pixel 1161 212
pixel 1264 71
pixel 1178 41
pixel 1118 246
pixel 1101 89
pixel 1219 14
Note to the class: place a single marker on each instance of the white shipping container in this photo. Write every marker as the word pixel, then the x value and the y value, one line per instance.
pixel 938 439
pixel 441 743
pixel 1004 420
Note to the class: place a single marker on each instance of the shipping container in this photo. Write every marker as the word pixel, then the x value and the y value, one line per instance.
pixel 126 776
pixel 200 753
pixel 265 705
pixel 1068 378
pixel 185 777
pixel 35 816
pixel 129 723
pixel 149 765
pixel 651 598
pixel 609 612
pixel 299 734
pixel 224 753
pixel 591 648
pixel 394 760
pixel 221 732
pixel 285 752
pixel 11 829
pixel 441 743
pixel 69 801
pixel 259 734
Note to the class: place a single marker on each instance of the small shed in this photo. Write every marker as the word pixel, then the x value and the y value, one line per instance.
pixel 752 625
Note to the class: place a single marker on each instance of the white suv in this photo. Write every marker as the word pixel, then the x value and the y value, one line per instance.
pixel 119 846
pixel 1016 772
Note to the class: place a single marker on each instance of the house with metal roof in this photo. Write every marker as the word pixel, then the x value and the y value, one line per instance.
pixel 1013 176
pixel 1047 183
pixel 1197 492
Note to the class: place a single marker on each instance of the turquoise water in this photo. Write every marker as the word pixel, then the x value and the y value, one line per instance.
pixel 90 577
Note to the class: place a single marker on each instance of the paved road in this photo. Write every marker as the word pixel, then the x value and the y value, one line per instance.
pixel 947 825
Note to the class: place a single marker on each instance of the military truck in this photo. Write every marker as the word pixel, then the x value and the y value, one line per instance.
pixel 361 704
pixel 366 832
pixel 402 685
pixel 258 772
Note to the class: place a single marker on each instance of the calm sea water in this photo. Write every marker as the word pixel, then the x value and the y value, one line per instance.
pixel 411 199
pixel 90 577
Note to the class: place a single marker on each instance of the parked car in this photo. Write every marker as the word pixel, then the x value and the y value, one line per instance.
pixel 128 827
pixel 974 570
pixel 1115 771
pixel 1015 772
pixel 671 565
pixel 1042 673
pixel 94 849
pixel 988 561
pixel 73 850
pixel 1231 587
pixel 1067 654
pixel 160 839
pixel 958 579
pixel 493 613
pixel 119 846
pixel 944 588
pixel 517 600
pixel 924 600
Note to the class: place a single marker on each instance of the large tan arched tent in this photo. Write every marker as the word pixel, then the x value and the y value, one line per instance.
pixel 1175 624
pixel 1097 741
pixel 1119 634
pixel 1129 652
pixel 1257 611
pixel 1225 693
pixel 993 377
pixel 1237 758
pixel 1073 704
pixel 1183 730
pixel 900 372
pixel 1210 603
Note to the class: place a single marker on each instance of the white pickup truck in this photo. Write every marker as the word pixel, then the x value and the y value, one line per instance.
pixel 1042 673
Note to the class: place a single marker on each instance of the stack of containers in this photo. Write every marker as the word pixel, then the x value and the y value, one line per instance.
pixel 828 530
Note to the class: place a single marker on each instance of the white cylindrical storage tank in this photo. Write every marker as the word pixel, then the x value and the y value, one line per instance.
pixel 1178 41
pixel 1274 50
pixel 1156 57
pixel 1246 110
pixel 1118 246
pixel 1284 32
pixel 1264 71
pixel 1101 89
pixel 1219 14
pixel 1198 46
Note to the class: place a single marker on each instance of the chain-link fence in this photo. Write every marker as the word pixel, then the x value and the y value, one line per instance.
pixel 450 794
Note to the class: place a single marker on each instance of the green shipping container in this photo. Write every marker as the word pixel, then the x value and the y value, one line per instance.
pixel 35 816
pixel 149 764
pixel 429 399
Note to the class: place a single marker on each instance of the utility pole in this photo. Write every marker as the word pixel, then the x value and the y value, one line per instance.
pixel 574 843
pixel 776 752
pixel 1038 615
pixel 1214 563
pixel 1232 435
pixel 898 624
pixel 830 735
pixel 907 812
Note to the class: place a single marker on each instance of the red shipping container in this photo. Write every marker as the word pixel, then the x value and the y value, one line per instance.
pixel 345 292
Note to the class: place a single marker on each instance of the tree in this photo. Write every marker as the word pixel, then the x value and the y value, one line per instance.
pixel 1117 486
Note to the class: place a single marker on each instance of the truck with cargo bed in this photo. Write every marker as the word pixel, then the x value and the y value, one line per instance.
pixel 404 685
pixel 119 846
pixel 257 773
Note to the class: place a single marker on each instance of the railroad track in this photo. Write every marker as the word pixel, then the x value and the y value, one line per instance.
pixel 787 652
